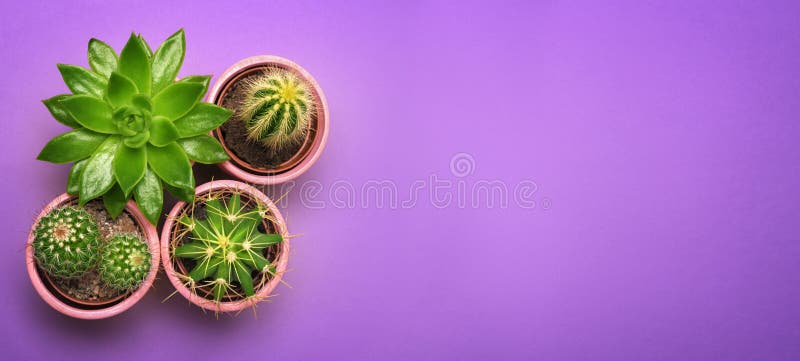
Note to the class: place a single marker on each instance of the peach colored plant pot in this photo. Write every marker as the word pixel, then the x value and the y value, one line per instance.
pixel 309 152
pixel 151 236
pixel 174 275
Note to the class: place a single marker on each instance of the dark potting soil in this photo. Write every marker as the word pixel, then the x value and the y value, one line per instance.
pixel 199 212
pixel 234 132
pixel 89 287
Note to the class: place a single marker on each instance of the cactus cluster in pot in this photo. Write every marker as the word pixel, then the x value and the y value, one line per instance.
pixel 135 128
pixel 227 247
pixel 67 244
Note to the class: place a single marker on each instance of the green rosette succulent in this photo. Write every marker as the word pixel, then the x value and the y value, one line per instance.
pixel 136 129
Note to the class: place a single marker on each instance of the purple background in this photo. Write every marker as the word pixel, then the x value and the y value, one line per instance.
pixel 663 135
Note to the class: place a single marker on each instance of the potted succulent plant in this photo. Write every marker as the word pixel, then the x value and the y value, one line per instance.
pixel 136 131
pixel 280 119
pixel 228 249
pixel 87 265
pixel 135 128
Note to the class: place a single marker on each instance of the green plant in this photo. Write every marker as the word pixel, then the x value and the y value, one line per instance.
pixel 277 108
pixel 227 245
pixel 135 127
pixel 124 262
pixel 66 242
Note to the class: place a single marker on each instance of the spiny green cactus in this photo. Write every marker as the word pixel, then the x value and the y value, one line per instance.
pixel 66 242
pixel 277 108
pixel 227 245
pixel 124 262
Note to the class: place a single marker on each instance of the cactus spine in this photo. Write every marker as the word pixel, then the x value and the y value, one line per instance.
pixel 124 262
pixel 227 245
pixel 277 108
pixel 66 242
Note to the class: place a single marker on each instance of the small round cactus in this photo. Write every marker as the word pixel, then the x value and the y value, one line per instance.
pixel 66 242
pixel 277 108
pixel 124 262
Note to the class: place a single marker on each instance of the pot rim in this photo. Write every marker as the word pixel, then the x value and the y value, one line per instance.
pixel 224 306
pixel 322 123
pixel 151 237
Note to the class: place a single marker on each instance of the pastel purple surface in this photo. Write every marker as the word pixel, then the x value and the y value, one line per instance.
pixel 649 152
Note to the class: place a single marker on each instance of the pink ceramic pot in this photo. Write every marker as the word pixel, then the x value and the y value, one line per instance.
pixel 172 273
pixel 151 236
pixel 238 168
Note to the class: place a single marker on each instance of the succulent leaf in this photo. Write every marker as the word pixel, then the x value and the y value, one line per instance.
pixel 114 201
pixel 90 112
pixel 202 119
pixel 129 166
pixel 82 81
pixel 177 99
pixel 168 60
pixel 121 90
pixel 203 149
pixel 102 58
pixel 74 178
pixel 147 49
pixel 200 79
pixel 185 194
pixel 171 165
pixel 149 196
pixel 71 146
pixel 162 132
pixel 98 176
pixel 134 62
pixel 59 112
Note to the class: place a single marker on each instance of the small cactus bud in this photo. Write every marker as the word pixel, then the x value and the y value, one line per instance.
pixel 66 242
pixel 124 262
pixel 277 108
